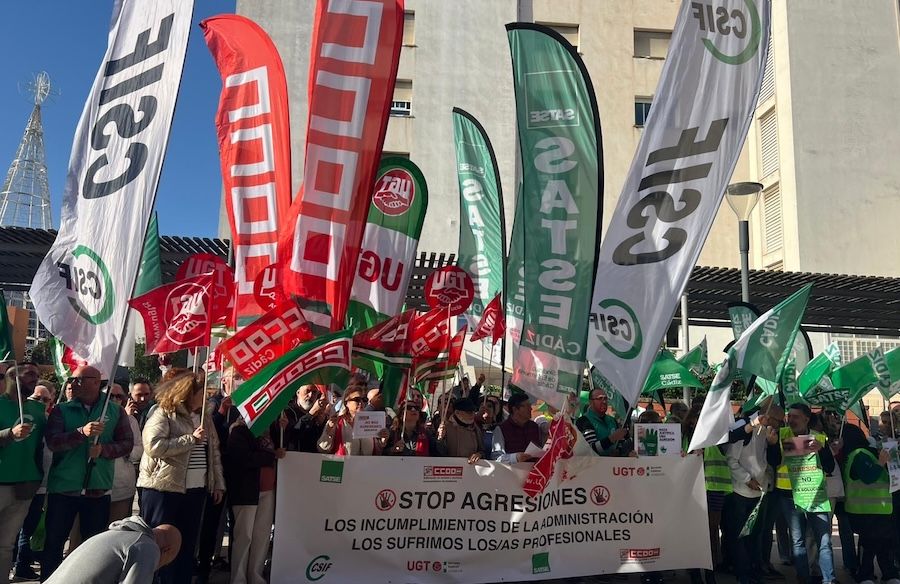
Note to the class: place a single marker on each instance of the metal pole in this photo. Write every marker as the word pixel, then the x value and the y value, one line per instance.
pixel 685 342
pixel 744 242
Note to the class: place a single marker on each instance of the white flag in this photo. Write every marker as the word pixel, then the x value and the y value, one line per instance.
pixel 81 289
pixel 685 159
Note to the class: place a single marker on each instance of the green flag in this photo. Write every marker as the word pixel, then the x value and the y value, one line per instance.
pixel 697 359
pixel 482 231
pixel 7 351
pixel 819 369
pixel 262 398
pixel 874 369
pixel 761 350
pixel 562 185
pixel 667 371
pixel 150 271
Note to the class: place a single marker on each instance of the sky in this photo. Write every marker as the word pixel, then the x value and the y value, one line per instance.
pixel 67 39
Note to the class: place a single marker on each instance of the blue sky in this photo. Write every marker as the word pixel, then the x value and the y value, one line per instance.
pixel 68 39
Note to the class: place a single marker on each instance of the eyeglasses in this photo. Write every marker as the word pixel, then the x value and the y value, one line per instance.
pixel 362 400
pixel 46 400
pixel 600 398
pixel 412 408
pixel 79 380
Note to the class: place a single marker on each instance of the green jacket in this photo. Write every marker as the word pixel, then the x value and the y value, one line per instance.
pixel 70 450
pixel 21 461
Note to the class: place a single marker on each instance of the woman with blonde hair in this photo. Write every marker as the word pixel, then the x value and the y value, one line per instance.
pixel 181 467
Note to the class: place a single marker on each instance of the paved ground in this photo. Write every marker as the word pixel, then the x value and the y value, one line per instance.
pixel 221 577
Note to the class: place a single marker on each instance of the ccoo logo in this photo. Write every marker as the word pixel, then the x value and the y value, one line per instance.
pixel 617 328
pixel 725 24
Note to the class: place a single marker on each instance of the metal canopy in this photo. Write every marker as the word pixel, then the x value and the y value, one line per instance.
pixel 838 303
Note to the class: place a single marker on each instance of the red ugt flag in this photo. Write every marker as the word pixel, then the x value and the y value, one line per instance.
pixel 177 315
pixel 492 323
pixel 562 443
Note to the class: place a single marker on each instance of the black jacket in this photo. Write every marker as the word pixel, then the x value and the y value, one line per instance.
pixel 243 459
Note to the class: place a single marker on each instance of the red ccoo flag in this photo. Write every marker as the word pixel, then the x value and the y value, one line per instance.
pixel 177 315
pixel 492 323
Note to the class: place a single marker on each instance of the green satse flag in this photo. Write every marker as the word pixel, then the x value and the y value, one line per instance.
pixel 262 398
pixel 760 350
pixel 667 371
pixel 874 369
pixel 697 359
pixel 390 241
pixel 7 351
pixel 562 185
pixel 515 275
pixel 818 369
pixel 482 231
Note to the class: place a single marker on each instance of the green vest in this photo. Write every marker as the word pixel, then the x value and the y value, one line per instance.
pixel 22 461
pixel 715 468
pixel 70 466
pixel 863 499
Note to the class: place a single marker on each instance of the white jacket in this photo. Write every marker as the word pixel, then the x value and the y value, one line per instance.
pixel 748 461
pixel 125 476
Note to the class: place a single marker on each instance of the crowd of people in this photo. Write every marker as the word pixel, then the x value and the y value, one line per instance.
pixel 153 480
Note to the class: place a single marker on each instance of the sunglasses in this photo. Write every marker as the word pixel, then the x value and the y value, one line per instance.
pixel 363 400
pixel 79 380
pixel 412 408
pixel 45 400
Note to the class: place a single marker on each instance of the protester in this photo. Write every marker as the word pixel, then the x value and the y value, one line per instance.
pixel 124 474
pixel 85 442
pixel 180 465
pixel 250 475
pixel 512 437
pixel 337 437
pixel 45 393
pixel 129 553
pixel 869 507
pixel 20 456
pixel 443 409
pixel 678 411
pixel 812 511
pixel 460 436
pixel 751 476
pixel 140 401
pixel 834 428
pixel 473 392
pixel 309 412
pixel 408 435
pixel 600 430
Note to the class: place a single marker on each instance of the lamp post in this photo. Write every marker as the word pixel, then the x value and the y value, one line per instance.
pixel 742 197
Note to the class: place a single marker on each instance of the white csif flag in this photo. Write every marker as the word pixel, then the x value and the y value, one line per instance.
pixel 691 143
pixel 82 287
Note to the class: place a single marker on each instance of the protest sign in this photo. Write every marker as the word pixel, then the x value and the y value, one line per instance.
pixel 893 463
pixel 427 520
pixel 807 482
pixel 368 424
pixel 658 439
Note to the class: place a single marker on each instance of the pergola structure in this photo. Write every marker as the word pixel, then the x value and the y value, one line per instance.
pixel 838 303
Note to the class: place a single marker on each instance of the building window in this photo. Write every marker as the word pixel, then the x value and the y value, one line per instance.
pixel 768 143
pixel 567 31
pixel 767 89
pixel 855 346
pixel 409 28
pixel 773 226
pixel 776 266
pixel 401 105
pixel 641 111
pixel 651 44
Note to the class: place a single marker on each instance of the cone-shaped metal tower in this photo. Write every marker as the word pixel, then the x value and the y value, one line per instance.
pixel 25 196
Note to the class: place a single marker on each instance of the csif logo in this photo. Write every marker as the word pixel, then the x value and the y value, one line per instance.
pixel 617 328
pixel 93 295
pixel 317 568
pixel 724 24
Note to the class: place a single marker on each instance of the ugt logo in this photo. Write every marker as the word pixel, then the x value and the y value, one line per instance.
pixel 726 24
pixel 395 192
pixel 186 313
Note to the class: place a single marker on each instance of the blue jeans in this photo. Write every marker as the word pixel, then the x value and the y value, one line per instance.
pixel 798 521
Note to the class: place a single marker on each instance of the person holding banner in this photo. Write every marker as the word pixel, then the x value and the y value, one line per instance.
pixel 601 431
pixel 337 437
pixel 461 436
pixel 513 437
pixel 414 439
pixel 180 467
pixel 870 508
pixel 77 487
pixel 21 432
pixel 801 463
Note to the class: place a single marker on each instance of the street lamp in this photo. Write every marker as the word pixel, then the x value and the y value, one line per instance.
pixel 742 198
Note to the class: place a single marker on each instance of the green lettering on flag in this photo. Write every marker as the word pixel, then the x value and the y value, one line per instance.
pixel 262 398
pixel 561 204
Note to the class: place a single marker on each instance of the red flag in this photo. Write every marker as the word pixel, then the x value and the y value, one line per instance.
pixel 387 342
pixel 430 334
pixel 266 339
pixel 444 365
pixel 562 444
pixel 253 129
pixel 492 323
pixel 222 308
pixel 353 69
pixel 177 315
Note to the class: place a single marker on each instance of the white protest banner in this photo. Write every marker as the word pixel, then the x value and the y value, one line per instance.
pixel 690 145
pixel 368 424
pixel 425 520
pixel 658 439
pixel 893 463
pixel 82 287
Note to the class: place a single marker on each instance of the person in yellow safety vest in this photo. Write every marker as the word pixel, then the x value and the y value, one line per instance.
pixel 867 488
pixel 718 486
pixel 805 504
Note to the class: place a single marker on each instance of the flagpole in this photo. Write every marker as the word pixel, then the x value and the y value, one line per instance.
pixel 18 391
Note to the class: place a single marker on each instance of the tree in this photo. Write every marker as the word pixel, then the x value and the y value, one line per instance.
pixel 146 366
